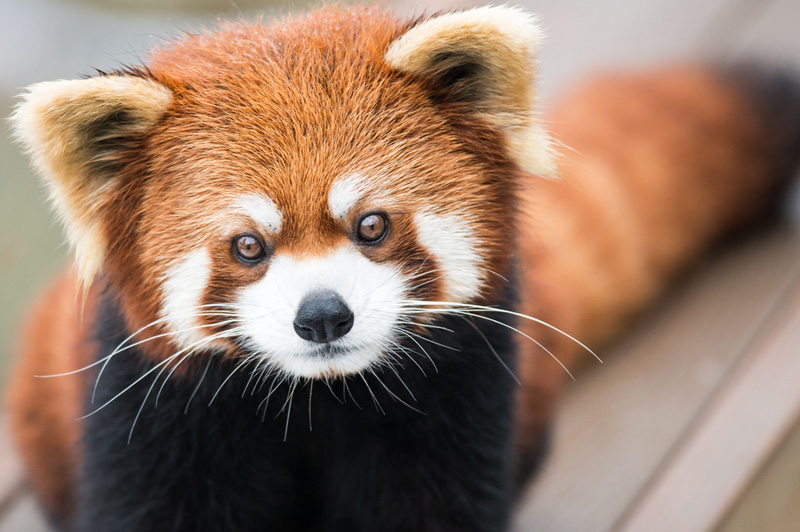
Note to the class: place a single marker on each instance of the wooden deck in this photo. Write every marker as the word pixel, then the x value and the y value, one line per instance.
pixel 676 429
pixel 693 421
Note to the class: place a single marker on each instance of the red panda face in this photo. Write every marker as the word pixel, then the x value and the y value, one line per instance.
pixel 308 248
pixel 307 185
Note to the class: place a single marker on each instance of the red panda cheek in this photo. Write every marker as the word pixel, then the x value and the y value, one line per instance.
pixel 227 277
pixel 401 248
pixel 182 289
pixel 196 295
pixel 451 240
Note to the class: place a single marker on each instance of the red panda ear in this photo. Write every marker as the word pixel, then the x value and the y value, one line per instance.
pixel 77 133
pixel 487 58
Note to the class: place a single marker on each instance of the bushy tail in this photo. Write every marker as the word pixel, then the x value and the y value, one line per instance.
pixel 656 166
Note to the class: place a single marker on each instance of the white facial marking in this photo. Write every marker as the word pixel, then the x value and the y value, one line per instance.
pixel 344 194
pixel 261 210
pixel 371 291
pixel 451 241
pixel 182 288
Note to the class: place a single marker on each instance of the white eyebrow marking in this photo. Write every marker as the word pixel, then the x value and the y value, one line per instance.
pixel 344 194
pixel 261 210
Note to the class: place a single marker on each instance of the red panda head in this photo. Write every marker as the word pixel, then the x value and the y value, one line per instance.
pixel 289 191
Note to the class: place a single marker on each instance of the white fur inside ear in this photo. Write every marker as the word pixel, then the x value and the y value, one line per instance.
pixel 453 244
pixel 59 123
pixel 507 32
pixel 502 42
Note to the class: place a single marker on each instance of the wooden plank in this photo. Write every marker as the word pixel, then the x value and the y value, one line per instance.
pixel 11 477
pixel 743 426
pixel 24 516
pixel 621 420
pixel 771 501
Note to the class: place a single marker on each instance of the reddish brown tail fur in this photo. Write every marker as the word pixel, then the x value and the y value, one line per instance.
pixel 656 167
pixel 44 410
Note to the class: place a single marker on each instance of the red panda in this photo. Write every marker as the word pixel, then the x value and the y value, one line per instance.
pixel 315 255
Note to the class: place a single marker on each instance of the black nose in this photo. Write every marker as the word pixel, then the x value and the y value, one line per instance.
pixel 323 317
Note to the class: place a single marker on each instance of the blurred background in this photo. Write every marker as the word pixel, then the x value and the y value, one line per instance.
pixel 631 431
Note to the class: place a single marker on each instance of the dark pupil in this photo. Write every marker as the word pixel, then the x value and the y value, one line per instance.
pixel 248 247
pixel 372 228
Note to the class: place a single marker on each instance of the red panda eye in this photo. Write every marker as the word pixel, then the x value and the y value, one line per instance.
pixel 372 227
pixel 248 248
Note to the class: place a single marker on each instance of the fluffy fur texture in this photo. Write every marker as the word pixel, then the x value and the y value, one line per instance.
pixel 661 166
pixel 374 166
pixel 75 132
pixel 488 56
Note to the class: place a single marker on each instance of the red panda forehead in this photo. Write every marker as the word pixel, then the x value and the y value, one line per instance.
pixel 275 101
pixel 288 112
pixel 312 44
pixel 286 81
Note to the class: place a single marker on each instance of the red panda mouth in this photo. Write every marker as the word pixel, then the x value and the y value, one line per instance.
pixel 330 351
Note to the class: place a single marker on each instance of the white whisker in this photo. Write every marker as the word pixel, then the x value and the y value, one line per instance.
pixel 498 322
pixel 100 361
pixel 476 308
pixel 239 365
pixel 427 355
pixel 148 372
pixel 493 350
pixel 163 335
pixel 197 387
pixel 394 396
pixel 289 408
pixel 374 399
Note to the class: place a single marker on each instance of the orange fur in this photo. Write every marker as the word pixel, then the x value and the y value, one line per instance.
pixel 657 166
pixel 245 151
pixel 660 165
pixel 43 410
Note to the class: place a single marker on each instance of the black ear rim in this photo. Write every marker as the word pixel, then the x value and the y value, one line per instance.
pixel 455 76
pixel 110 138
pixel 105 129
